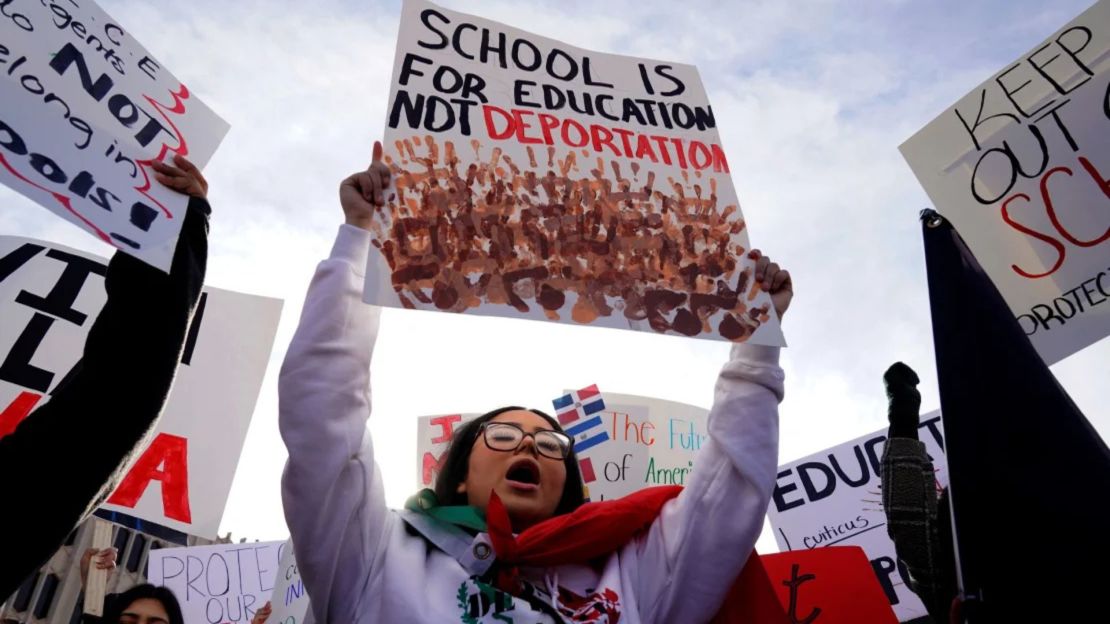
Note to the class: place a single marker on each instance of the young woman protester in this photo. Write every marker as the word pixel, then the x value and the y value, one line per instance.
pixel 505 536
pixel 141 604
pixel 144 604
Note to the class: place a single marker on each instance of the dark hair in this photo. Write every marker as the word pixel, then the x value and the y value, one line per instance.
pixel 456 463
pixel 114 610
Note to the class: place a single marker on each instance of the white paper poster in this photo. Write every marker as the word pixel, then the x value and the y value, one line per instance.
pixel 221 583
pixel 533 179
pixel 1021 167
pixel 834 498
pixel 433 436
pixel 637 442
pixel 289 599
pixel 84 109
pixel 49 297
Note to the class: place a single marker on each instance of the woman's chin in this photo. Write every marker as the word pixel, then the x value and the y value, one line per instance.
pixel 524 508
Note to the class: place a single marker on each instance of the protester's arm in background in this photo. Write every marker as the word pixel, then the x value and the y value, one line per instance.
pixel 97 419
pixel 105 560
pixel 909 496
pixel 699 544
pixel 331 489
pixel 262 614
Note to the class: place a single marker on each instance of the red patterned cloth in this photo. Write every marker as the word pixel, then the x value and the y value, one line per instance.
pixel 597 530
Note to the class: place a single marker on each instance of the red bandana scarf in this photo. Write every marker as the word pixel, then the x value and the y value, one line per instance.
pixel 596 530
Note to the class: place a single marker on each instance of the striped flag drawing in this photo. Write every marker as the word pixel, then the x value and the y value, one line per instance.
pixel 587 434
pixel 578 405
pixel 578 412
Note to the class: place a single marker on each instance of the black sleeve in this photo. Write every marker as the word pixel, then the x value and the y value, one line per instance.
pixel 95 421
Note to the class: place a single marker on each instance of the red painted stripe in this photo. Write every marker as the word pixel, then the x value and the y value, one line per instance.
pixel 569 416
pixel 587 468
pixel 17 411
pixel 588 392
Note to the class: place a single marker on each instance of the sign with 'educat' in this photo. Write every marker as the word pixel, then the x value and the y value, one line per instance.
pixel 84 109
pixel 834 498
pixel 219 583
pixel 533 179
pixel 639 442
pixel 1021 167
pixel 49 297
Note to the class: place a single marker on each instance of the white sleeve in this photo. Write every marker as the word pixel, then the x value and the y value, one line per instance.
pixel 331 489
pixel 694 551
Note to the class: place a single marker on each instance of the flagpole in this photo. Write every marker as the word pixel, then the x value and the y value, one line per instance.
pixel 969 599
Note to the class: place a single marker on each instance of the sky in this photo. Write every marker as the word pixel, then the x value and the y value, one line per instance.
pixel 811 98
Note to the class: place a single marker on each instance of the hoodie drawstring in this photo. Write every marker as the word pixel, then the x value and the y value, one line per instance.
pixel 553 588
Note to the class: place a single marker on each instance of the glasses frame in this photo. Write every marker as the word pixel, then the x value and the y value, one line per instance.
pixel 483 430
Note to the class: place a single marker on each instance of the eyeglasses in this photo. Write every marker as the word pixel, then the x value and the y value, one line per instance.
pixel 507 437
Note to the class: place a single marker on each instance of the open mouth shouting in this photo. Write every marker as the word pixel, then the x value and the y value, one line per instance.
pixel 523 475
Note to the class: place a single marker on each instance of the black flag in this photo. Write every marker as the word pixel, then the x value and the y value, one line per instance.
pixel 1029 476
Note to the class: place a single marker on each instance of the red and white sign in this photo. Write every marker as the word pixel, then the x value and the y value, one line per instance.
pixel 433 436
pixel 832 585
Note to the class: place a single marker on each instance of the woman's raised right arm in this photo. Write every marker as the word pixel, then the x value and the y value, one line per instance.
pixel 331 489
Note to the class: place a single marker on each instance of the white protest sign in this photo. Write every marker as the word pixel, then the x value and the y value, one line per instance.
pixel 643 442
pixel 85 109
pixel 1021 167
pixel 533 179
pixel 433 436
pixel 834 498
pixel 639 442
pixel 289 599
pixel 218 584
pixel 49 297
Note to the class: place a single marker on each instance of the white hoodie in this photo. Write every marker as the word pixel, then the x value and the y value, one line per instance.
pixel 362 562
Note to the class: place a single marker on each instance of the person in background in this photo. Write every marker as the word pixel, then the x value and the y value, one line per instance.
pixel 98 418
pixel 144 604
pixel 919 524
pixel 662 555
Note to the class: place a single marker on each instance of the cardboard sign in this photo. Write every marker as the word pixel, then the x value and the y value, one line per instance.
pixel 49 297
pixel 85 110
pixel 834 498
pixel 289 599
pixel 533 179
pixel 828 586
pixel 1021 167
pixel 640 442
pixel 221 583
